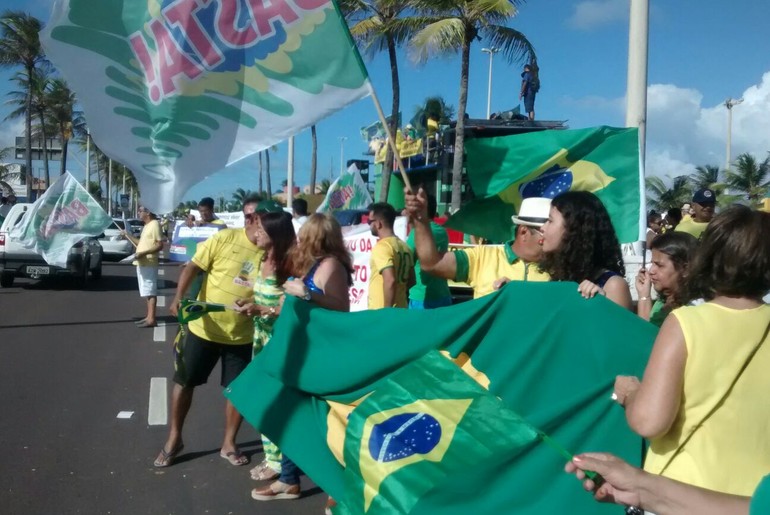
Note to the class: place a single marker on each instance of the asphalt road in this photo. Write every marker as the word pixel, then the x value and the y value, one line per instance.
pixel 70 361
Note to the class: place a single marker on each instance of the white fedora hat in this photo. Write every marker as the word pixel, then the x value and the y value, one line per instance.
pixel 534 212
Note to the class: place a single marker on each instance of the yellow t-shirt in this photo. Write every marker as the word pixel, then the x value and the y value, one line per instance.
pixel 481 266
pixel 230 261
pixel 149 237
pixel 729 451
pixel 690 226
pixel 392 253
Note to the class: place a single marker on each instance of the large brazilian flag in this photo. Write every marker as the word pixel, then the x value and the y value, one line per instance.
pixel 504 170
pixel 550 355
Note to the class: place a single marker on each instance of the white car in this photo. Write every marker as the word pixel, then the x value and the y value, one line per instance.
pixel 115 245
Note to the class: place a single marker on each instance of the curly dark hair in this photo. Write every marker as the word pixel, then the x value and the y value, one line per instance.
pixel 589 246
pixel 734 256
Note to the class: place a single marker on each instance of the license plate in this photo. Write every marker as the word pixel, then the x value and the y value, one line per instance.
pixel 38 270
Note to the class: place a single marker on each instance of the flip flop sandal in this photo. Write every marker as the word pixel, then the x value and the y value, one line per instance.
pixel 235 458
pixel 263 472
pixel 166 459
pixel 145 324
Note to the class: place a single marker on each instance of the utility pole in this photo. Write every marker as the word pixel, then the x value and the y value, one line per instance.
pixel 342 153
pixel 729 104
pixel 636 91
pixel 491 52
pixel 109 188
pixel 290 173
pixel 88 160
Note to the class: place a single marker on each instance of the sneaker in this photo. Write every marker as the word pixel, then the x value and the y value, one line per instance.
pixel 276 491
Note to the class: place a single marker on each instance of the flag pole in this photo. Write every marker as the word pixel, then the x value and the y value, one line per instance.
pixel 389 137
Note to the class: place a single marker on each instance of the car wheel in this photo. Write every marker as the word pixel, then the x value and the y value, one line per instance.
pixel 96 273
pixel 81 279
pixel 6 280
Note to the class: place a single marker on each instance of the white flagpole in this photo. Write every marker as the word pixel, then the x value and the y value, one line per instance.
pixel 389 137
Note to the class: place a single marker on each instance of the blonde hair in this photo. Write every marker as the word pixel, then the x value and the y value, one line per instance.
pixel 321 237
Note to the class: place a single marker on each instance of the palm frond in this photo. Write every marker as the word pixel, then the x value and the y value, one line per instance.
pixel 513 45
pixel 441 37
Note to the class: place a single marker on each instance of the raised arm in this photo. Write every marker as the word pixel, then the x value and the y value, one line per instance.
pixel 440 264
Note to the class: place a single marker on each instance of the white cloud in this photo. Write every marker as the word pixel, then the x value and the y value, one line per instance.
pixel 591 14
pixel 682 132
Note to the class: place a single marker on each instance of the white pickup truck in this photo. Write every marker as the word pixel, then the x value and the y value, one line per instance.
pixel 17 261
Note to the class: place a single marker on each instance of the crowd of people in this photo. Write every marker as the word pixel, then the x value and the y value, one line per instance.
pixel 696 403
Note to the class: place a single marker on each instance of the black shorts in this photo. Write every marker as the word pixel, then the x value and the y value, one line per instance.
pixel 195 358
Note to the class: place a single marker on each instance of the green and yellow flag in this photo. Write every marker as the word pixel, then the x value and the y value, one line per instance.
pixel 550 355
pixel 506 169
pixel 426 422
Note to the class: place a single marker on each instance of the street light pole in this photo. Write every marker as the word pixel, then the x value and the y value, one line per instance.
pixel 729 104
pixel 491 52
pixel 342 153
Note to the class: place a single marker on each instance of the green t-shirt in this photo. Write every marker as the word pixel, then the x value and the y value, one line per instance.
pixel 428 287
pixel 658 313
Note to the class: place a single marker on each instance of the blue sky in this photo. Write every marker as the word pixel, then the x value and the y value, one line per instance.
pixel 701 52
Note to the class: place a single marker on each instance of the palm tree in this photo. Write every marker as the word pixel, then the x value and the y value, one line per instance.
pixel 662 197
pixel 240 195
pixel 379 25
pixel 750 177
pixel 435 107
pixel 69 122
pixel 324 186
pixel 259 184
pixel 708 176
pixel 451 26
pixel 34 87
pixel 313 158
pixel 20 46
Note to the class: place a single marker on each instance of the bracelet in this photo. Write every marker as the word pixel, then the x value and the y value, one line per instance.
pixel 644 298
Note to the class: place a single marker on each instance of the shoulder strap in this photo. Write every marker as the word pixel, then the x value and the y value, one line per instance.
pixel 721 400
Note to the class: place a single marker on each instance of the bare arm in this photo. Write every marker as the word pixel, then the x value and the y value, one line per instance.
pixel 332 278
pixel 652 408
pixel 389 286
pixel 644 294
pixel 189 272
pixel 431 260
pixel 617 291
pixel 625 484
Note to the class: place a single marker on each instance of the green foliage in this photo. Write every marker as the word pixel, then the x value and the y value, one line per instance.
pixel 750 178
pixel 661 197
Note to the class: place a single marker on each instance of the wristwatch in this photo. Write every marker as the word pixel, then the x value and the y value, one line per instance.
pixel 307 296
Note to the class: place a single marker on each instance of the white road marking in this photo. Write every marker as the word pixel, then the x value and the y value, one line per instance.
pixel 161 272
pixel 161 301
pixel 157 414
pixel 159 333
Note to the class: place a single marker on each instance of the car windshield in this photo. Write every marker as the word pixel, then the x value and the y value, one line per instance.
pixel 119 223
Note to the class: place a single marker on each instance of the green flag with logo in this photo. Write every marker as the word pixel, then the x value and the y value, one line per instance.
pixel 348 191
pixel 550 355
pixel 504 170
pixel 63 216
pixel 179 89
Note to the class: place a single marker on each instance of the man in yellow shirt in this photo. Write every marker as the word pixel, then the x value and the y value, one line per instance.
pixel 230 260
pixel 148 245
pixel 392 264
pixel 485 267
pixel 703 204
